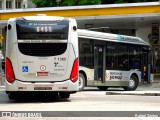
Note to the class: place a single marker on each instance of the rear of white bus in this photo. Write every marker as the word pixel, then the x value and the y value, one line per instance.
pixel 42 55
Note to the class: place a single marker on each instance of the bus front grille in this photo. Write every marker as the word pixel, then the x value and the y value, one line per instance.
pixel 42 49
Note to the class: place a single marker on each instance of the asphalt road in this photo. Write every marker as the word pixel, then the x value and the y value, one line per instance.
pixel 89 100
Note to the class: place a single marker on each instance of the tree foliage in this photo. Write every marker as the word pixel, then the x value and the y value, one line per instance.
pixel 124 1
pixel 81 2
pixel 53 3
pixel 45 3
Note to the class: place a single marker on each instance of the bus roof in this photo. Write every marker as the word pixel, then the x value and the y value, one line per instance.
pixel 43 18
pixel 110 37
pixel 40 17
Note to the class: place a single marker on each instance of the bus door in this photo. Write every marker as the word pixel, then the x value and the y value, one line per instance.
pixel 99 63
pixel 145 66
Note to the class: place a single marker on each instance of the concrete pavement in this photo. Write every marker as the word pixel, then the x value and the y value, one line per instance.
pixel 145 89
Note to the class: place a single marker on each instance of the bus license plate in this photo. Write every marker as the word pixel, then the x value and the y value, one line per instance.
pixel 42 88
pixel 42 74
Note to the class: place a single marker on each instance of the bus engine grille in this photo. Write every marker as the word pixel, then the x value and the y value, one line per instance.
pixel 42 49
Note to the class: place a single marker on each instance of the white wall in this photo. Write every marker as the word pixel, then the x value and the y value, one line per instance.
pixel 143 32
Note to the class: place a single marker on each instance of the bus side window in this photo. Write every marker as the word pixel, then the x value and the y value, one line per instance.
pixel 111 55
pixel 86 52
pixel 123 56
pixel 134 57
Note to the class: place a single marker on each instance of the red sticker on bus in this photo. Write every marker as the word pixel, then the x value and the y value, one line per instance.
pixel 42 73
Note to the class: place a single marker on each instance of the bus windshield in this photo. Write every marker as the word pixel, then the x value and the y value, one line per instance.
pixel 42 30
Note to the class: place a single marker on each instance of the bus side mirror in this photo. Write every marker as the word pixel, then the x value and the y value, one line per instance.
pixel 9 27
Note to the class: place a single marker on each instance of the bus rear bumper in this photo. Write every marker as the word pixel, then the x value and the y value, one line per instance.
pixel 66 86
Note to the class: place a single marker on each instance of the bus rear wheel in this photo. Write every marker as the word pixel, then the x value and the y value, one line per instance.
pixel 102 87
pixel 133 84
pixel 64 95
pixel 11 96
pixel 81 82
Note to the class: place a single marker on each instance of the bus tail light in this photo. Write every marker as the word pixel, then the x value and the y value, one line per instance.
pixel 75 71
pixel 9 71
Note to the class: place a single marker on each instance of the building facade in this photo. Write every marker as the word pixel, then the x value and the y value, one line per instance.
pixel 16 4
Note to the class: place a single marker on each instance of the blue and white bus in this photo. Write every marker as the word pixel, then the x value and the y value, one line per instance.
pixel 111 60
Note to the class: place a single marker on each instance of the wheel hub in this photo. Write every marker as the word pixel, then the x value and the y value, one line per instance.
pixel 80 82
pixel 131 83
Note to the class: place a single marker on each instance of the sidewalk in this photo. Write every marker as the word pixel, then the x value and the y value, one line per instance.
pixel 145 89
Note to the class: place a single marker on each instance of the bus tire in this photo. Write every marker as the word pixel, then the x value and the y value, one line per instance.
pixel 102 87
pixel 64 95
pixel 133 84
pixel 11 96
pixel 81 82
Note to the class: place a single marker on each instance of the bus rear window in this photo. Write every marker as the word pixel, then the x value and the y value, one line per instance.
pixel 42 30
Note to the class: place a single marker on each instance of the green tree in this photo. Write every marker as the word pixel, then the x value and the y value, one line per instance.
pixel 81 2
pixel 53 3
pixel 124 1
pixel 45 3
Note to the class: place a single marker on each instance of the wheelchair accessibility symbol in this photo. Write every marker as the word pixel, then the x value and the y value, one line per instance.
pixel 24 68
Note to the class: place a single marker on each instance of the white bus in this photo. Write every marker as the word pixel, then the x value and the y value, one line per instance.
pixel 110 60
pixel 42 56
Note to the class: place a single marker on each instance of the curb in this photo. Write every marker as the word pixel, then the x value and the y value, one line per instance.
pixel 139 93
